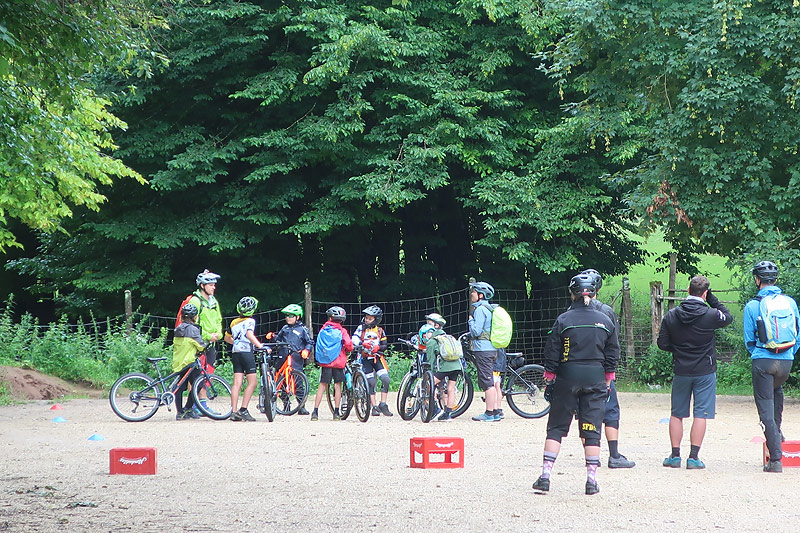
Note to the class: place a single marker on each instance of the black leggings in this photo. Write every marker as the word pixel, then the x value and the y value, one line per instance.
pixel 769 375
pixel 193 375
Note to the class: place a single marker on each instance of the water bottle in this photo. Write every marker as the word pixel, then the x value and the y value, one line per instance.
pixel 349 380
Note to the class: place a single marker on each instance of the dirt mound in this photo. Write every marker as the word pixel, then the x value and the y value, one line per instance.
pixel 24 384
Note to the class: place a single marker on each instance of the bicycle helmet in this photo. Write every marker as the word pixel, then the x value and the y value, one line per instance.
pixel 583 285
pixel 437 319
pixel 206 276
pixel 483 288
pixel 189 311
pixel 424 330
pixel 336 314
pixel 247 306
pixel 375 311
pixel 598 279
pixel 766 271
pixel 293 309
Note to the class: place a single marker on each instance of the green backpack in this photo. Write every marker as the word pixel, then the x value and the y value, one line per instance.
pixel 502 328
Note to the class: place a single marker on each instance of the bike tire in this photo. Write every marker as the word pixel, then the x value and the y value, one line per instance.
pixel 263 387
pixel 361 399
pixel 289 402
pixel 427 397
pixel 465 391
pixel 407 400
pixel 270 399
pixel 218 403
pixel 344 409
pixel 525 392
pixel 133 397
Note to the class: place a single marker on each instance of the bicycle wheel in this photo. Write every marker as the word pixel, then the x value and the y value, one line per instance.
pixel 218 402
pixel 344 409
pixel 263 387
pixel 270 398
pixel 408 397
pixel 465 391
pixel 134 398
pixel 427 399
pixel 292 393
pixel 361 396
pixel 525 393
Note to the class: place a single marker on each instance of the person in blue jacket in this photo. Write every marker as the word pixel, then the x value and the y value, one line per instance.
pixel 480 327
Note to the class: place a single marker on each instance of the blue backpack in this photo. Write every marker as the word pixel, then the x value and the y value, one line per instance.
pixel 777 323
pixel 328 345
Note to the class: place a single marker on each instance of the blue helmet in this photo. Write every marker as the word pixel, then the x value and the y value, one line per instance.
pixel 483 288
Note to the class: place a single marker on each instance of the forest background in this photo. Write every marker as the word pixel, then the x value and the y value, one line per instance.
pixel 387 149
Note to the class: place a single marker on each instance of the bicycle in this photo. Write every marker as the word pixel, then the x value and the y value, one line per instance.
pixel 413 390
pixel 524 384
pixel 267 392
pixel 355 391
pixel 291 385
pixel 135 397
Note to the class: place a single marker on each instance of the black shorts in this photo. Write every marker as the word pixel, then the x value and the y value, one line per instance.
pixel 211 353
pixel 612 406
pixel 577 389
pixel 452 375
pixel 328 373
pixel 372 366
pixel 484 362
pixel 243 362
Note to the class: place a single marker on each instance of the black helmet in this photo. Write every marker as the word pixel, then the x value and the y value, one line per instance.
pixel 375 311
pixel 189 311
pixel 583 285
pixel 336 313
pixel 765 271
pixel 598 279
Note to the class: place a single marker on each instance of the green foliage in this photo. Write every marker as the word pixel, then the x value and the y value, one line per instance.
pixel 55 130
pixel 656 367
pixel 737 372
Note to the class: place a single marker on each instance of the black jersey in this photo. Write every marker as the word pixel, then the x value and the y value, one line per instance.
pixel 582 335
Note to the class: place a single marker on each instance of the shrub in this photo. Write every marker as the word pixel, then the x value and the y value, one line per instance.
pixel 655 368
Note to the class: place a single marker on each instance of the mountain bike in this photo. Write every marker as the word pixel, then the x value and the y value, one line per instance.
pixel 290 384
pixel 355 391
pixel 522 385
pixel 137 396
pixel 414 386
pixel 267 392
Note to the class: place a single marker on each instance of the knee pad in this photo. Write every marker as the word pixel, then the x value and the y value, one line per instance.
pixel 385 382
pixel 592 442
pixel 371 382
pixel 611 423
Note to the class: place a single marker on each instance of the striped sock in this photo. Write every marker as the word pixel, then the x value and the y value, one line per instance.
pixel 548 461
pixel 592 463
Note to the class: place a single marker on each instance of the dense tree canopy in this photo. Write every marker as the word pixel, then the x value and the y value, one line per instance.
pixel 55 129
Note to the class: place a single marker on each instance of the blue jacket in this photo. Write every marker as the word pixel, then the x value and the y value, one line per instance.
pixel 751 312
pixel 480 324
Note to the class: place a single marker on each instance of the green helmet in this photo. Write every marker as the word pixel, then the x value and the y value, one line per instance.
pixel 293 309
pixel 247 306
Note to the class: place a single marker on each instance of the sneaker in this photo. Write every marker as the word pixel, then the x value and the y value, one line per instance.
pixel 591 487
pixel 694 464
pixel 245 415
pixel 385 409
pixel 483 417
pixel 179 416
pixel 191 414
pixel 672 462
pixel 621 462
pixel 500 414
pixel 445 417
pixel 376 411
pixel 235 416
pixel 542 484
pixel 195 413
pixel 314 416
pixel 337 417
pixel 773 466
pixel 302 411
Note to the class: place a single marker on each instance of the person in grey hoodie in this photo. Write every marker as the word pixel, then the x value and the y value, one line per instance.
pixel 688 331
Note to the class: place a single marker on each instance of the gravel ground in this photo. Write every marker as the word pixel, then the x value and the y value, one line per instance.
pixel 295 475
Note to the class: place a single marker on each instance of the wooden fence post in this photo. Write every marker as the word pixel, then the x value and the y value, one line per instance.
pixel 128 311
pixel 673 268
pixel 627 314
pixel 656 310
pixel 307 305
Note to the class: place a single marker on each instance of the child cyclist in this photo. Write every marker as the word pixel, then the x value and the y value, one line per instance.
pixel 372 339
pixel 443 369
pixel 299 339
pixel 333 370
pixel 187 344
pixel 242 336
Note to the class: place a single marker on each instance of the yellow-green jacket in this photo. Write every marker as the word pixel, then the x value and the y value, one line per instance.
pixel 210 315
pixel 186 344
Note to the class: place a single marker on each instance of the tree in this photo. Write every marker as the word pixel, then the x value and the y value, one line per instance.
pixel 696 104
pixel 55 130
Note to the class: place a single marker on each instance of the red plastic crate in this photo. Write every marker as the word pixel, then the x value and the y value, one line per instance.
pixel 437 452
pixel 133 461
pixel 791 453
